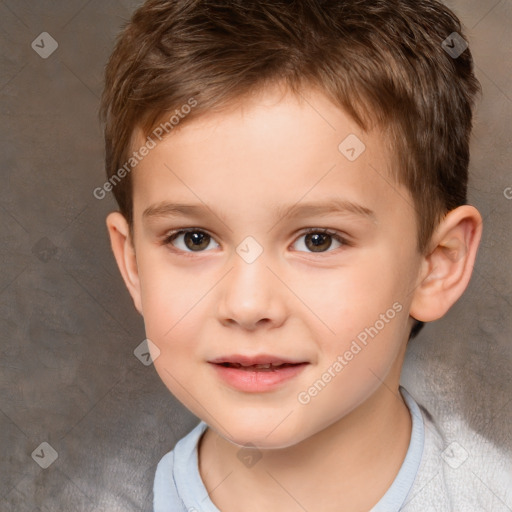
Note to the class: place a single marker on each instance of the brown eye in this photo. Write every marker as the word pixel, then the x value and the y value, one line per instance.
pixel 196 241
pixel 318 242
pixel 190 240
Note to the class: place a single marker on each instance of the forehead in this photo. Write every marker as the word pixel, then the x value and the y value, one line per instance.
pixel 272 150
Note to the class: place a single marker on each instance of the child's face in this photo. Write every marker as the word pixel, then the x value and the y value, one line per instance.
pixel 304 299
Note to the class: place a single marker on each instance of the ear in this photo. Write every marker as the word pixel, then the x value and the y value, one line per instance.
pixel 446 269
pixel 124 252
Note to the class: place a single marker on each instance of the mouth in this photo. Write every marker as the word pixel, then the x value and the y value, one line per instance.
pixel 256 373
pixel 263 362
pixel 264 367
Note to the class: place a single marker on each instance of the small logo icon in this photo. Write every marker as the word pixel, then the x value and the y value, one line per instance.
pixel 352 147
pixel 249 455
pixel 454 45
pixel 454 254
pixel 147 352
pixel 44 250
pixel 44 45
pixel 454 455
pixel 249 249
pixel 45 455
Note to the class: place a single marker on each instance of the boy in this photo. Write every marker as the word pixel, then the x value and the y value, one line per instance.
pixel 292 178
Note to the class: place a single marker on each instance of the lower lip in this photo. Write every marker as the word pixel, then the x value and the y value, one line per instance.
pixel 257 381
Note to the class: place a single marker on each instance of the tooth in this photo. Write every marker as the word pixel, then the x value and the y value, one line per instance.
pixel 261 366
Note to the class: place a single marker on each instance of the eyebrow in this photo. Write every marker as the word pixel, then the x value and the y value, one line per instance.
pixel 324 208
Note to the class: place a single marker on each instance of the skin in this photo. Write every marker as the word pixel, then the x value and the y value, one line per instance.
pixel 273 151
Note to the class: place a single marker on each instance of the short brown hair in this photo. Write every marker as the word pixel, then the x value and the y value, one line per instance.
pixel 382 61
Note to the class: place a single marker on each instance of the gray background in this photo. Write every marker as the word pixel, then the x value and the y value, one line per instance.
pixel 68 375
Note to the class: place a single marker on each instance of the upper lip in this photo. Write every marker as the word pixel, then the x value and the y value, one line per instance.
pixel 256 359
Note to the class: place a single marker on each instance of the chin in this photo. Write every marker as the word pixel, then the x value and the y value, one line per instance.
pixel 270 434
pixel 262 441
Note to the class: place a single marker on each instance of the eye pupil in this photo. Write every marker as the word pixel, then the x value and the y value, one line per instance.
pixel 196 241
pixel 319 241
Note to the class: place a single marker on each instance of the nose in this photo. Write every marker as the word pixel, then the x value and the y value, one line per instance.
pixel 251 296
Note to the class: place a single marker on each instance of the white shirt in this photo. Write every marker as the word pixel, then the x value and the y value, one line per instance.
pixel 435 476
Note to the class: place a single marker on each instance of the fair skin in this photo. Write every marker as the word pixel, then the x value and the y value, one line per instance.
pixel 342 449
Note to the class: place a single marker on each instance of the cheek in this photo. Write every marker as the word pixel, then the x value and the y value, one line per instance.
pixel 169 295
pixel 172 309
pixel 362 308
pixel 173 316
pixel 351 297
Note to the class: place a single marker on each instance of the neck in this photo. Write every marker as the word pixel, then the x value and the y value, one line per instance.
pixel 354 461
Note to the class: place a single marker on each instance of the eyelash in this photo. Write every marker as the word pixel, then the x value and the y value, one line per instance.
pixel 336 235
pixel 171 236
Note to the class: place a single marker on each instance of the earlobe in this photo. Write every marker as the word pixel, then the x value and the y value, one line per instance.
pixel 124 253
pixel 447 269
